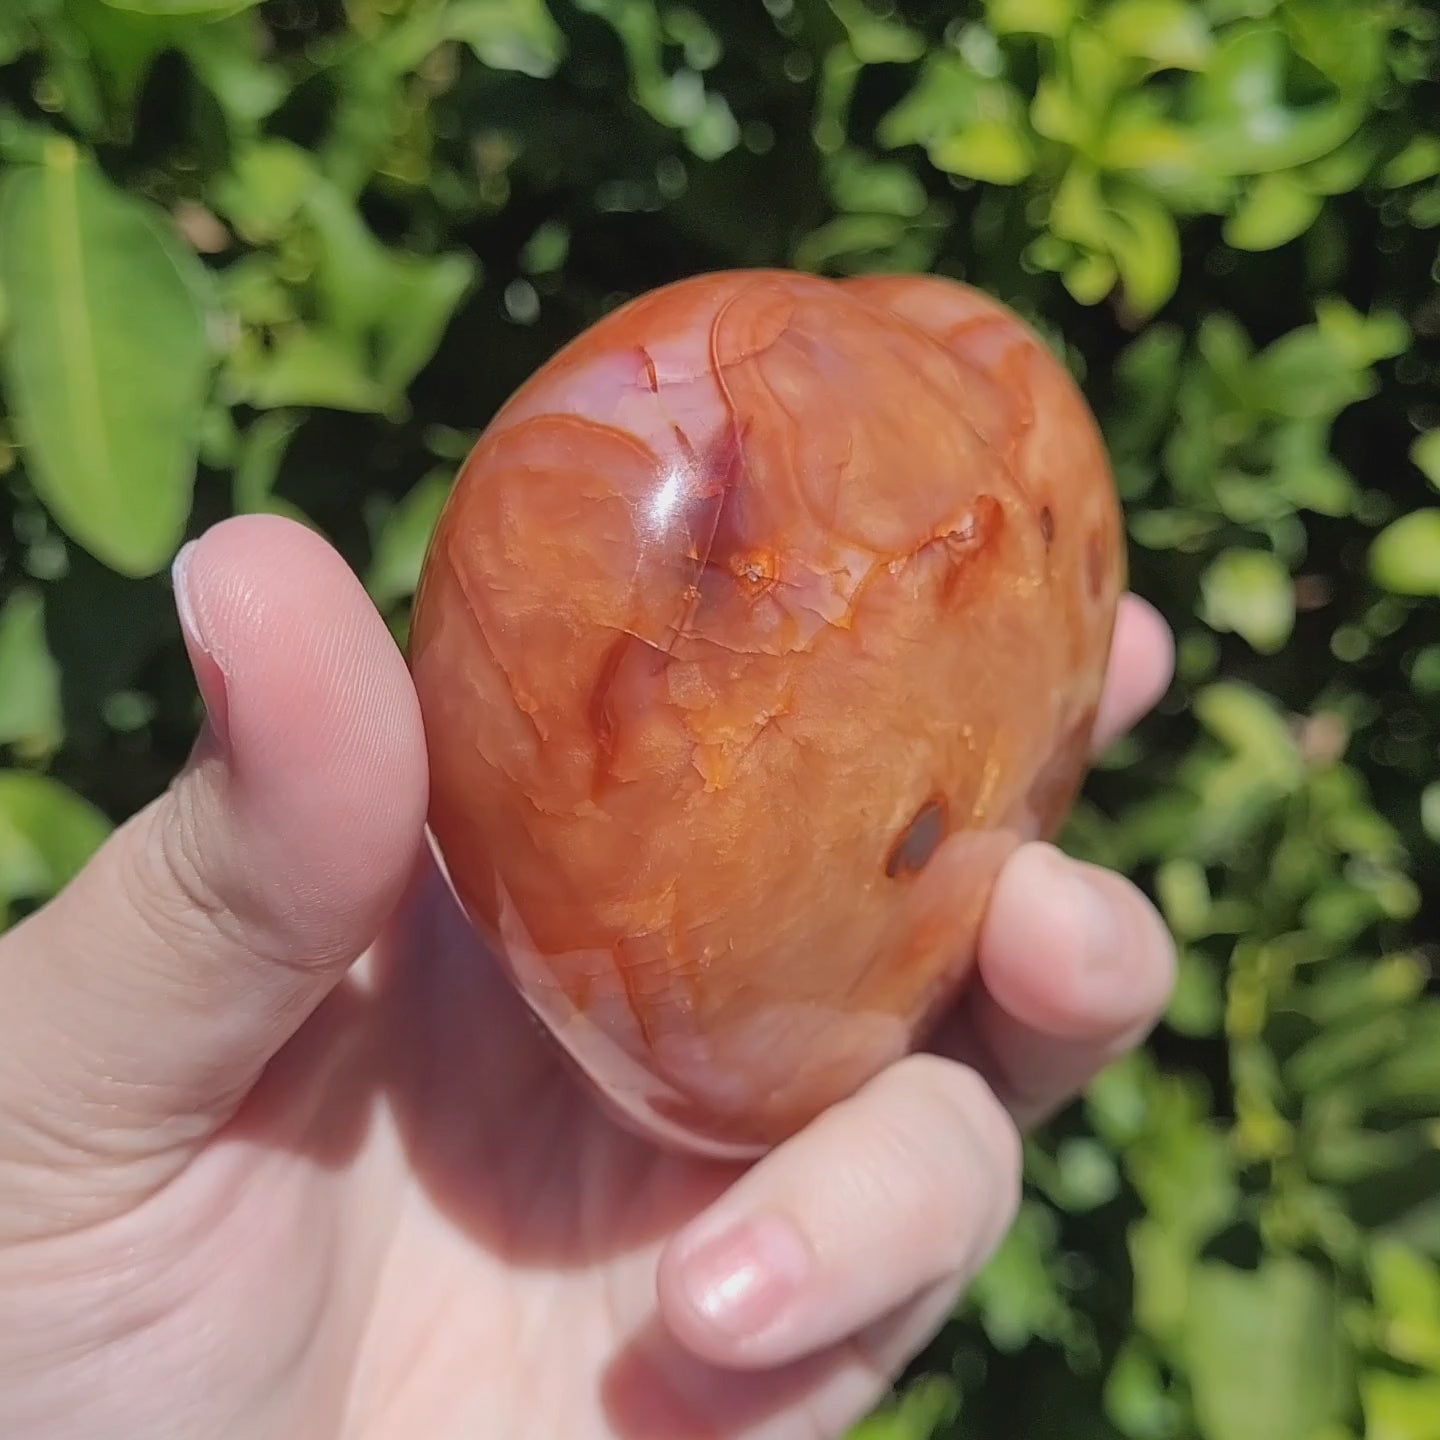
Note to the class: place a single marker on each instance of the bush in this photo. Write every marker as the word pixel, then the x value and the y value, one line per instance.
pixel 290 256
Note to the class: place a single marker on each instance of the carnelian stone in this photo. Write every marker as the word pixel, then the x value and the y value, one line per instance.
pixel 760 627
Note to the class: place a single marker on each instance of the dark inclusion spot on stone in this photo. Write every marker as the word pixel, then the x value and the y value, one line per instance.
pixel 1047 525
pixel 922 836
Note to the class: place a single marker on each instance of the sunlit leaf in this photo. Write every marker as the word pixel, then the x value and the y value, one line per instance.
pixel 402 540
pixel 257 467
pixel 1016 1294
pixel 1247 721
pixel 1430 811
pixel 230 62
pixel 1405 556
pixel 1399 1407
pixel 1170 33
pixel 1241 119
pixel 988 150
pixel 1407 1298
pixel 1145 244
pixel 1425 452
pixel 106 358
pixel 1036 17
pixel 861 184
pixel 874 39
pixel 508 34
pixel 30 712
pixel 1276 209
pixel 1091 278
pixel 265 189
pixel 1251 593
pixel 1418 161
pixel 47 833
pixel 215 8
pixel 1266 1351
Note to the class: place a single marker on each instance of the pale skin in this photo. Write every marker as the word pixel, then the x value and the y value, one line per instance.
pixel 283 1158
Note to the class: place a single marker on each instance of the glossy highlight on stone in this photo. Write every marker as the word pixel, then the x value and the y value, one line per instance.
pixel 760 627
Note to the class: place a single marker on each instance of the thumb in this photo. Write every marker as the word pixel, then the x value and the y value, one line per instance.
pixel 142 1004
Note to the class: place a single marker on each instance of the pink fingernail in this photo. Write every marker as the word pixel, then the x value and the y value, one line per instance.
pixel 744 1279
pixel 208 674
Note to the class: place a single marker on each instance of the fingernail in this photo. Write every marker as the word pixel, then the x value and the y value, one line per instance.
pixel 208 674
pixel 743 1280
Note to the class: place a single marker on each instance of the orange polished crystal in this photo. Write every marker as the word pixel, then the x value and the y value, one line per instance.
pixel 761 626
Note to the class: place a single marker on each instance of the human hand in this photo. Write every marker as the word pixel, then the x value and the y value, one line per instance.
pixel 283 1156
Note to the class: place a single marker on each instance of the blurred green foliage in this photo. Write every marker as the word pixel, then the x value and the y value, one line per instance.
pixel 290 256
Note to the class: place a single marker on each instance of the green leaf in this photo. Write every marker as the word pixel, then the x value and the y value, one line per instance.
pixel 47 833
pixel 1184 1174
pixel 917 1414
pixel 1241 120
pixel 548 248
pixel 518 35
pixel 860 184
pixel 379 313
pixel 30 711
pixel 262 452
pixel 848 235
pixel 1197 1004
pixel 1417 162
pixel 20 27
pixel 679 100
pixel 1032 17
pixel 1407 1301
pixel 1405 556
pixel 997 151
pixel 403 539
pixel 1184 896
pixel 1135 1395
pixel 1074 100
pixel 306 367
pixel 875 40
pixel 1266 1352
pixel 266 189
pixel 1309 373
pixel 213 8
pixel 120 48
pixel 1247 721
pixel 1091 278
pixel 1345 169
pixel 1145 243
pixel 1425 454
pixel 1430 811
pixel 1363 338
pixel 1126 225
pixel 1085 1177
pixel 1250 593
pixel 1399 1407
pixel 106 358
pixel 1016 1293
pixel 972 125
pixel 1168 33
pixel 1344 40
pixel 1146 374
pixel 396 305
pixel 228 58
pixel 1276 209
pixel 1307 474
